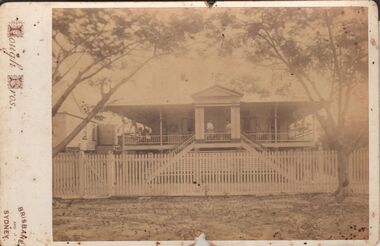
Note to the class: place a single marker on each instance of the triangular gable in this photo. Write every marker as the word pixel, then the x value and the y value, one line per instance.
pixel 216 91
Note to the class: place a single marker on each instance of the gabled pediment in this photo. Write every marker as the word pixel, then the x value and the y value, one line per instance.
pixel 217 91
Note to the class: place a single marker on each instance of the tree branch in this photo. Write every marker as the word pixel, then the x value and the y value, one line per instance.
pixel 105 65
pixel 56 80
pixel 79 79
pixel 336 68
pixel 300 75
pixel 345 105
pixel 71 52
pixel 105 97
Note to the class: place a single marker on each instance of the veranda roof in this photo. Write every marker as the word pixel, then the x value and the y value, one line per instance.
pixel 182 93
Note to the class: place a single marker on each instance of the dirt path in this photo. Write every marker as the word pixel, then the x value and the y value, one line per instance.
pixel 223 218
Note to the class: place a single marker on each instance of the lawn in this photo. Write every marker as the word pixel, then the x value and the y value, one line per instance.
pixel 288 217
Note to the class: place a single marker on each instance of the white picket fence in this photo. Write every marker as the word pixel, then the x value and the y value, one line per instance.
pixel 77 175
pixel 358 171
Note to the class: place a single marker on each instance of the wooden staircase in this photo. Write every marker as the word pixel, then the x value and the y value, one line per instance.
pixel 259 151
pixel 178 152
pixel 250 145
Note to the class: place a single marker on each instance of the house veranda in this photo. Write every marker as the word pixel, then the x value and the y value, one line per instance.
pixel 236 124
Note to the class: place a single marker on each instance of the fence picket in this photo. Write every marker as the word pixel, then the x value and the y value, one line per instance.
pixel 208 173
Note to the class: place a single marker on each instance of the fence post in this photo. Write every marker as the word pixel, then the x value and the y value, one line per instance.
pixel 111 173
pixel 82 173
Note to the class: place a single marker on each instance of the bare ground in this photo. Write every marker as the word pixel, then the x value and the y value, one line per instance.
pixel 288 217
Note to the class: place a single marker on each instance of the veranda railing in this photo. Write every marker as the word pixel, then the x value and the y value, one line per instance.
pixel 289 136
pixel 135 139
pixel 217 137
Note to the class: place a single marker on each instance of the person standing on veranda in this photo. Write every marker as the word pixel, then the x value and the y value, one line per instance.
pixel 210 127
pixel 228 129
pixel 210 130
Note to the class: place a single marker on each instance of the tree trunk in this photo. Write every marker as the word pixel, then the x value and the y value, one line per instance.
pixel 63 97
pixel 343 180
pixel 60 147
pixel 100 105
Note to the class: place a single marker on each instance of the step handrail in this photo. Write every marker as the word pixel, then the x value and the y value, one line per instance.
pixel 174 157
pixel 254 144
pixel 303 134
pixel 183 145
pixel 266 159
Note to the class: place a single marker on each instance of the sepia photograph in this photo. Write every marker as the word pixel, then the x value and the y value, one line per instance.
pixel 238 123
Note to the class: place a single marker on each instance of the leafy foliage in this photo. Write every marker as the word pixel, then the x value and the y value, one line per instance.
pixel 88 42
pixel 325 50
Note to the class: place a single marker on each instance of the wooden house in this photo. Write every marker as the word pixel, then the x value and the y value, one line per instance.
pixel 64 123
pixel 218 118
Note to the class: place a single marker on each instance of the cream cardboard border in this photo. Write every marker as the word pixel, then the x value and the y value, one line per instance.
pixel 25 130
